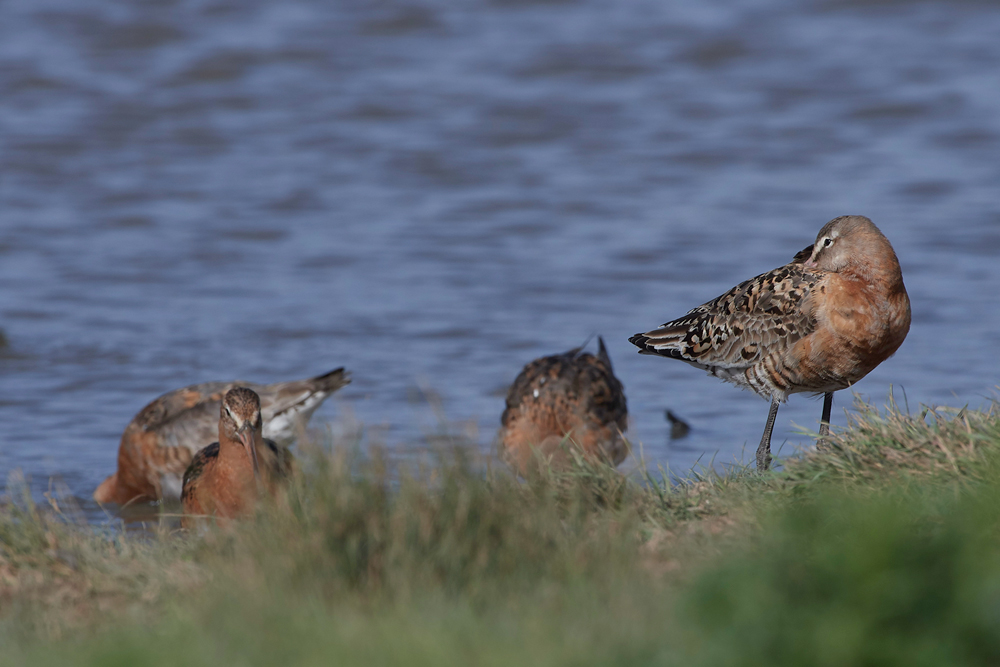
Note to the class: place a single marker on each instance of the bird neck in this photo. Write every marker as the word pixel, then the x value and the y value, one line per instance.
pixel 884 276
pixel 234 457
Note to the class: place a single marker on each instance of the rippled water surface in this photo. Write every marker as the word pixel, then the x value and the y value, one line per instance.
pixel 434 193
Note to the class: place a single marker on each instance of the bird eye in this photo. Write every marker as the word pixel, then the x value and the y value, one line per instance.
pixel 827 242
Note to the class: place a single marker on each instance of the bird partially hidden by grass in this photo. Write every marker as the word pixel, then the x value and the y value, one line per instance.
pixel 816 325
pixel 226 478
pixel 564 403
pixel 159 443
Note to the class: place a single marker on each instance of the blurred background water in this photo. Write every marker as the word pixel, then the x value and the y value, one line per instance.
pixel 433 193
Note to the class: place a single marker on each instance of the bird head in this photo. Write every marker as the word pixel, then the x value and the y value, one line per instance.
pixel 240 421
pixel 849 240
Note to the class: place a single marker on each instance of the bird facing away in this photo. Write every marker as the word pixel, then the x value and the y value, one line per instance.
pixel 225 478
pixel 160 441
pixel 818 324
pixel 566 400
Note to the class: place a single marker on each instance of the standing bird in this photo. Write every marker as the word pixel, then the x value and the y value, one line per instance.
pixel 225 478
pixel 817 325
pixel 158 444
pixel 571 399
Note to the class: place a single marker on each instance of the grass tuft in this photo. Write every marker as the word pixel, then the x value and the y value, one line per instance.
pixel 880 546
pixel 944 443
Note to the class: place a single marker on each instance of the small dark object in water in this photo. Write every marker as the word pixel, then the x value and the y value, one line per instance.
pixel 678 427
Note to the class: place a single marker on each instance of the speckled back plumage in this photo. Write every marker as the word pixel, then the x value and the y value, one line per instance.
pixel 779 333
pixel 818 324
pixel 571 398
pixel 742 335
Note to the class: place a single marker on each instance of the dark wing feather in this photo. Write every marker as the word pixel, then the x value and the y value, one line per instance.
pixel 802 255
pixel 281 458
pixel 197 467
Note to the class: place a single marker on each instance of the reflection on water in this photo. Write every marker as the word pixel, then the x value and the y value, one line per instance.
pixel 434 193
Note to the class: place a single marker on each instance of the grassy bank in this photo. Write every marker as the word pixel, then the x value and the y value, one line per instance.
pixel 881 547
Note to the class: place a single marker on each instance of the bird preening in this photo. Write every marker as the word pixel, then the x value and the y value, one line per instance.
pixel 816 325
pixel 561 404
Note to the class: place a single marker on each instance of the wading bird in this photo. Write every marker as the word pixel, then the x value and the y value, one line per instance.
pixel 158 444
pixel 816 325
pixel 225 479
pixel 570 400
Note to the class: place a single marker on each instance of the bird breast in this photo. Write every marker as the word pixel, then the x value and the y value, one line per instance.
pixel 860 324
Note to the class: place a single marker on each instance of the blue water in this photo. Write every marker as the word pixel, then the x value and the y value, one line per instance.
pixel 434 193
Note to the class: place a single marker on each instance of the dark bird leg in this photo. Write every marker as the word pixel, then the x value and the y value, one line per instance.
pixel 764 450
pixel 824 423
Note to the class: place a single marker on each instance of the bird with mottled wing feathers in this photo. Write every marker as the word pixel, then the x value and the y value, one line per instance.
pixel 817 325
pixel 740 336
pixel 564 401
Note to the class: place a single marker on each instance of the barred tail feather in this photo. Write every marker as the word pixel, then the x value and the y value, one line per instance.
pixel 666 342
